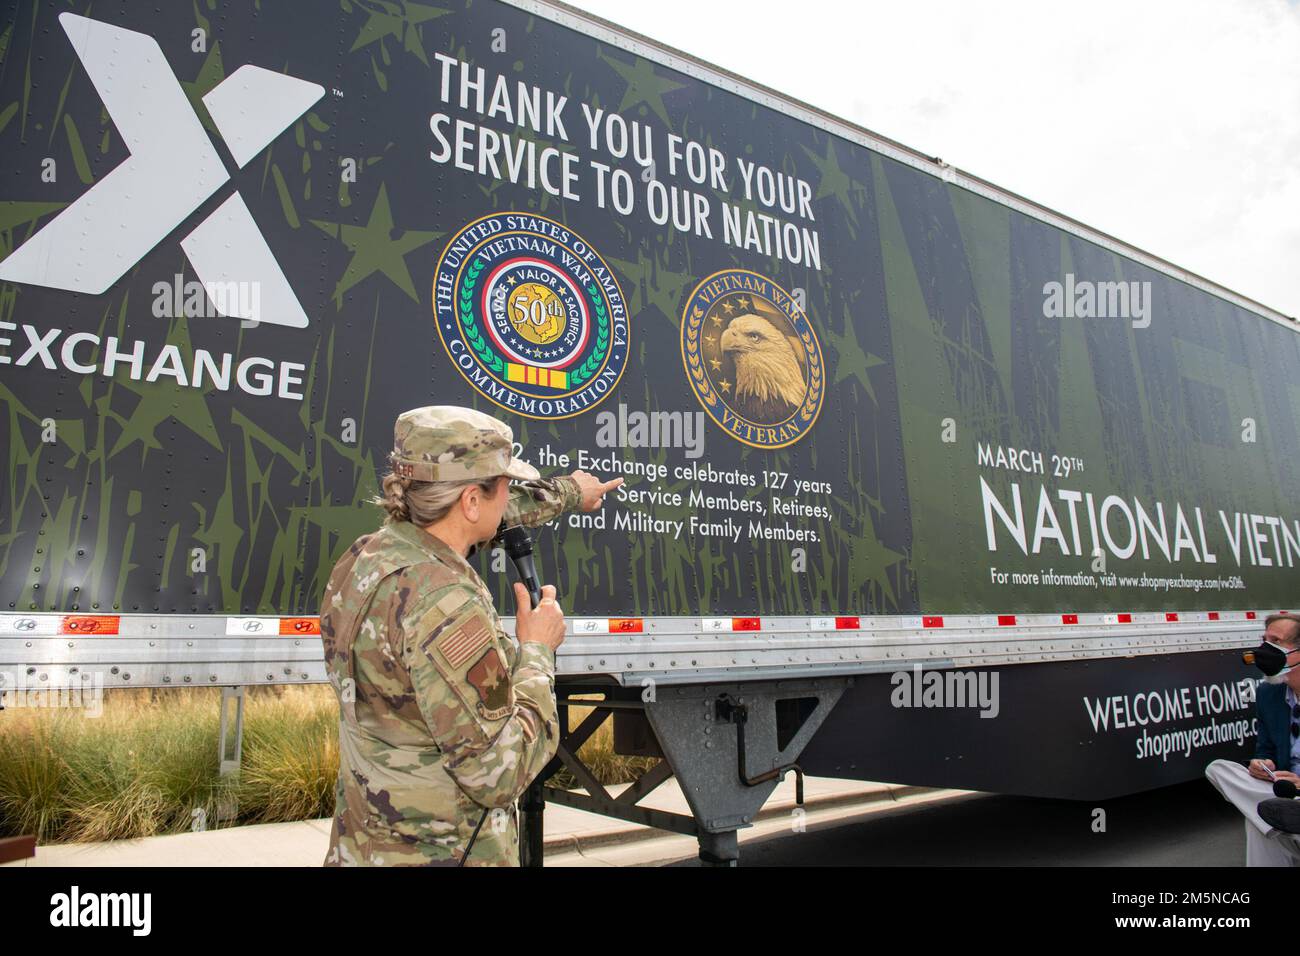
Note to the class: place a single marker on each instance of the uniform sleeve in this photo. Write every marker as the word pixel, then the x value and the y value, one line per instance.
pixel 537 502
pixel 496 729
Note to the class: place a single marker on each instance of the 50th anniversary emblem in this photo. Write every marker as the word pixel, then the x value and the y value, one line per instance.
pixel 752 358
pixel 531 315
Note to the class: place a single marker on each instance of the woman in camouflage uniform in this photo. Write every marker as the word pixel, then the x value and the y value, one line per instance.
pixel 442 714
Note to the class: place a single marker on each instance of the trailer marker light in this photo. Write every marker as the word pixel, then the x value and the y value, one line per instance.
pixel 1250 615
pixel 1170 617
pixel 1126 618
pixel 89 624
pixel 1006 620
pixel 847 623
pixel 1214 615
pixel 1069 619
pixel 625 625
pixel 289 626
pixel 932 621
pixel 746 624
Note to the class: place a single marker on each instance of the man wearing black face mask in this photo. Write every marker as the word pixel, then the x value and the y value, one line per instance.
pixel 1277 745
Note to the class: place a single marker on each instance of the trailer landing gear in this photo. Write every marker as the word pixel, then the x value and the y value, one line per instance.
pixel 728 745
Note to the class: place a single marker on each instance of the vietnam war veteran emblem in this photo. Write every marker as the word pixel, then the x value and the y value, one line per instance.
pixel 753 359
pixel 531 315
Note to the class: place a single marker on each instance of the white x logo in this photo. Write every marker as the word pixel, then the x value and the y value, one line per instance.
pixel 173 168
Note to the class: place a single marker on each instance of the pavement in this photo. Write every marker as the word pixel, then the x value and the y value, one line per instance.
pixel 1188 825
pixel 573 837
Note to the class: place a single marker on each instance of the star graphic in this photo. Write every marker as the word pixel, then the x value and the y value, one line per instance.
pixel 715 363
pixel 643 86
pixel 716 320
pixel 851 359
pixel 510 280
pixel 743 302
pixel 725 385
pixel 833 180
pixel 374 248
pixel 711 339
pixel 728 308
pixel 869 561
pixel 649 283
pixel 384 22
pixel 189 408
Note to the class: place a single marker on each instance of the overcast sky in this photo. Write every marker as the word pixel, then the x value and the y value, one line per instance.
pixel 1173 125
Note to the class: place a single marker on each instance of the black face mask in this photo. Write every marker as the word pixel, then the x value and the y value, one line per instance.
pixel 1269 658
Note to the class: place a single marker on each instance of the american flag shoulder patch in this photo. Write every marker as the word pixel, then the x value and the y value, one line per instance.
pixel 457 645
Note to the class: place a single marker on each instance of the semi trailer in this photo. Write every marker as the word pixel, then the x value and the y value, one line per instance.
pixel 925 482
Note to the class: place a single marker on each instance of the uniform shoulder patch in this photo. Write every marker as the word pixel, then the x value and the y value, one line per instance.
pixel 464 631
pixel 489 678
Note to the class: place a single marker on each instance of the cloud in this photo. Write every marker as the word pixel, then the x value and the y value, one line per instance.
pixel 1173 125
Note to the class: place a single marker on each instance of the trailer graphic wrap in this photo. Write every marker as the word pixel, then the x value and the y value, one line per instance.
pixel 932 402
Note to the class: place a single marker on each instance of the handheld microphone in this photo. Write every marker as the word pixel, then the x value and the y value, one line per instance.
pixel 1285 789
pixel 519 546
pixel 1280 814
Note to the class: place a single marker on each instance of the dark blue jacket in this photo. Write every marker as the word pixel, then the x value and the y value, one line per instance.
pixel 1274 739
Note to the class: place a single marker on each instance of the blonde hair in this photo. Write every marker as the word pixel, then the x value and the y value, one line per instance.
pixel 424 502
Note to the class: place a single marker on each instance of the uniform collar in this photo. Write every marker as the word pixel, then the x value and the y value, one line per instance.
pixel 430 544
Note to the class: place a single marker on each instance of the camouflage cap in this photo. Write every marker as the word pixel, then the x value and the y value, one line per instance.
pixel 450 443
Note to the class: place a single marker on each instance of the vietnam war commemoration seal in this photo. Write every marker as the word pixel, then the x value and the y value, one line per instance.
pixel 531 315
pixel 752 358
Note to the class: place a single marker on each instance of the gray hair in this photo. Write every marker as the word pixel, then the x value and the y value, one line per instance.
pixel 424 502
pixel 1286 616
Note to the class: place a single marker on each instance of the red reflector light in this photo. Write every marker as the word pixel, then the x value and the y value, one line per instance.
pixel 1006 620
pixel 1069 619
pixel 1125 618
pixel 625 625
pixel 89 624
pixel 1250 615
pixel 746 624
pixel 290 626
pixel 1214 615
pixel 932 622
pixel 847 623
pixel 1171 616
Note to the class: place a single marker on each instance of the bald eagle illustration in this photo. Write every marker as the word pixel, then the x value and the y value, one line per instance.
pixel 769 380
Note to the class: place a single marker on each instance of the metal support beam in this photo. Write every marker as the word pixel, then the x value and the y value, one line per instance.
pixel 728 745
pixel 228 756
pixel 646 816
pixel 720 849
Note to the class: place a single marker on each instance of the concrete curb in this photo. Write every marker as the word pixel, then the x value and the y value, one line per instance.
pixel 632 832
